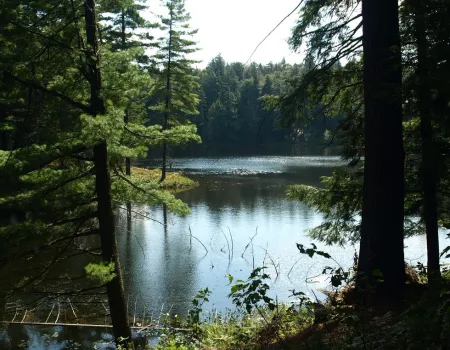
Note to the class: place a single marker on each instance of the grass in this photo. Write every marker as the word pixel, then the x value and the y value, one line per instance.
pixel 237 330
pixel 340 323
pixel 174 182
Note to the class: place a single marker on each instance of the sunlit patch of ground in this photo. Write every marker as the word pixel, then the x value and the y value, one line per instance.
pixel 175 181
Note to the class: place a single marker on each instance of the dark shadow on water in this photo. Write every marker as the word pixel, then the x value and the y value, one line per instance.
pixel 57 337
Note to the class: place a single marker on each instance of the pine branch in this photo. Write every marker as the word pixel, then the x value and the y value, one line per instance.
pixel 83 107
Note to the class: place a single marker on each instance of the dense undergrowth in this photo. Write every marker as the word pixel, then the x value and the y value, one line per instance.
pixel 418 321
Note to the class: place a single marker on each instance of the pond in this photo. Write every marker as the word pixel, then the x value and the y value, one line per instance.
pixel 240 219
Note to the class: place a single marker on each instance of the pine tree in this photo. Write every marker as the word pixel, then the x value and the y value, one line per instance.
pixel 177 85
pixel 105 215
pixel 126 29
pixel 383 161
pixel 61 169
pixel 123 25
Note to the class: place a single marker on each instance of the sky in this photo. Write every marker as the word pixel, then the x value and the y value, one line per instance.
pixel 234 28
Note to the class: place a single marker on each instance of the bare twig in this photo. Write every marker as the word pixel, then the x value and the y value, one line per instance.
pixel 14 315
pixel 140 214
pixel 59 311
pixel 273 262
pixel 73 310
pixel 232 243
pixel 192 236
pixel 24 315
pixel 53 306
pixel 228 245
pixel 134 315
pixel 251 240
pixel 292 267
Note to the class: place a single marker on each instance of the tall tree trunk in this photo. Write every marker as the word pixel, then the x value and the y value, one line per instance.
pixel 381 249
pixel 167 102
pixel 428 169
pixel 126 117
pixel 105 216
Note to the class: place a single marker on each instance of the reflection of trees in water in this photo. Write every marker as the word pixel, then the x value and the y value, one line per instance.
pixel 167 272
pixel 159 268
pixel 244 194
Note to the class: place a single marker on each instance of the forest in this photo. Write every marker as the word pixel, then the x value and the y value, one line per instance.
pixel 231 108
pixel 111 137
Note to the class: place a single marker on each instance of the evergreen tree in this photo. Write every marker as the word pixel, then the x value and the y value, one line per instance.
pixel 177 85
pixel 341 199
pixel 61 176
pixel 429 170
pixel 123 25
pixel 105 215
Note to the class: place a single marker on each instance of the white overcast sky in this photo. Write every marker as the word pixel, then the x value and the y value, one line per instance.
pixel 234 28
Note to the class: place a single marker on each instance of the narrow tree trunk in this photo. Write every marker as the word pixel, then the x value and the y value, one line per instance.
pixel 123 29
pixel 428 169
pixel 114 288
pixel 381 249
pixel 126 118
pixel 167 102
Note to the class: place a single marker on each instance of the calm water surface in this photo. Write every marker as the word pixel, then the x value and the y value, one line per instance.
pixel 237 199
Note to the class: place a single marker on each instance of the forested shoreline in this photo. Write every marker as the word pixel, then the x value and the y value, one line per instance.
pixel 233 118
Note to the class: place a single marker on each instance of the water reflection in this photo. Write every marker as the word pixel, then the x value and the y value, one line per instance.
pixel 20 336
pixel 163 271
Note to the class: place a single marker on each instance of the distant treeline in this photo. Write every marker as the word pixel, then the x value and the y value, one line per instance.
pixel 232 117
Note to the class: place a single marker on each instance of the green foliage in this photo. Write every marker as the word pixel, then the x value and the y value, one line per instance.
pixel 200 298
pixel 311 251
pixel 176 87
pixel 241 328
pixel 123 25
pixel 252 292
pixel 48 202
pixel 173 345
pixel 174 182
pixel 330 31
pixel 234 106
pixel 340 202
pixel 100 273
pixel 338 276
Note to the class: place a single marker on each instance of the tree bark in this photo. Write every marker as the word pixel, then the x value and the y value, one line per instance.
pixel 105 216
pixel 167 102
pixel 428 169
pixel 114 289
pixel 381 249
